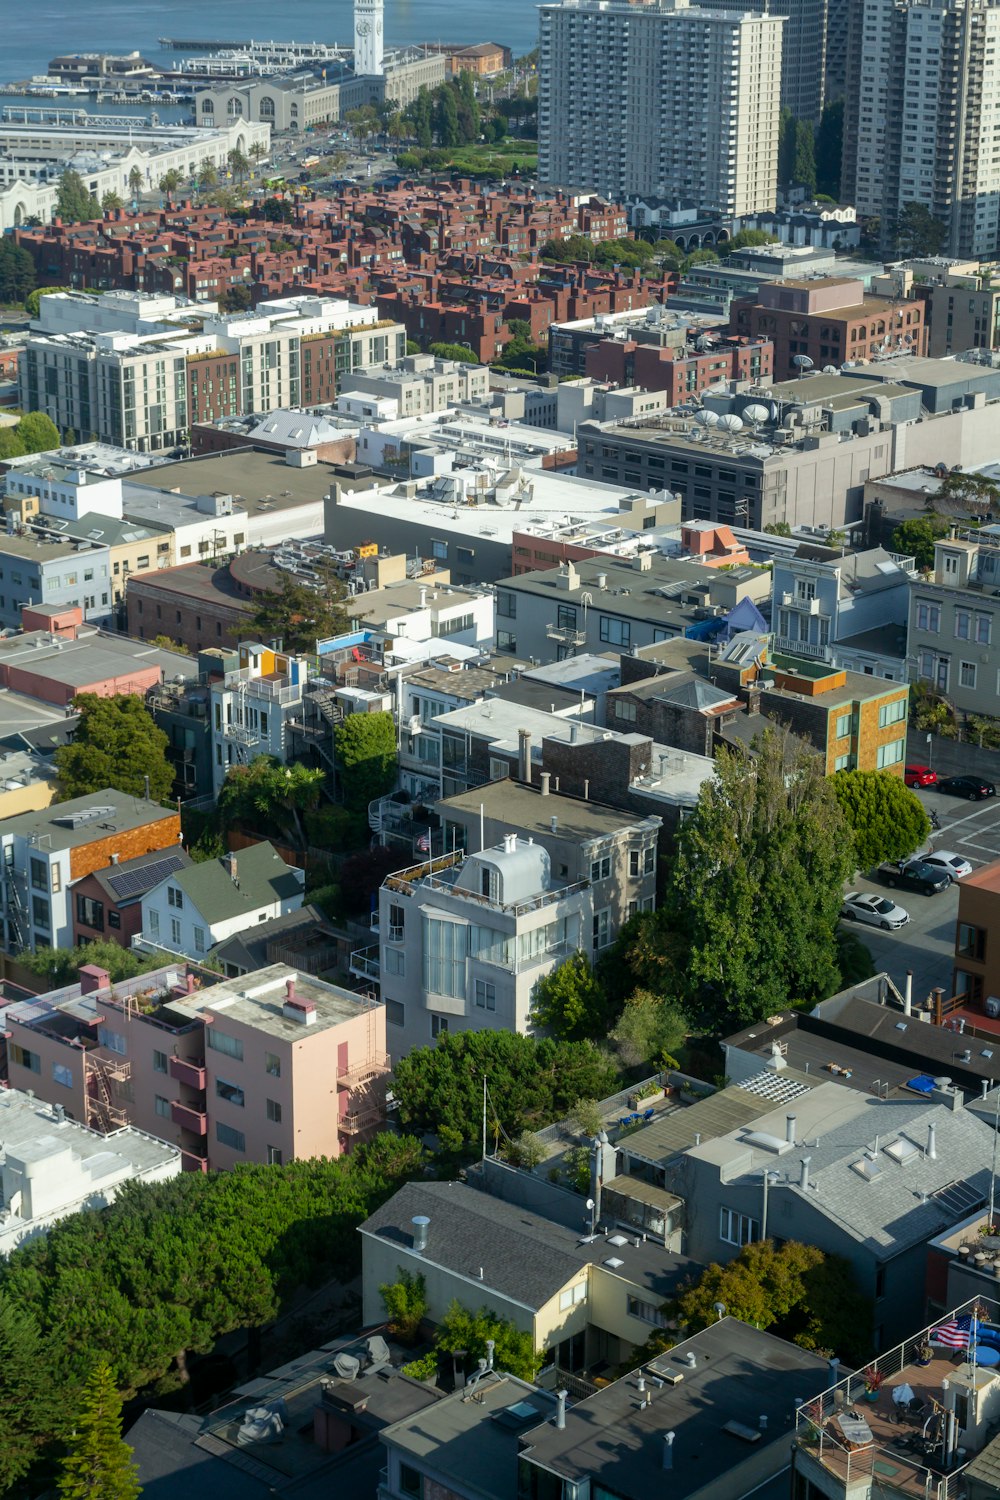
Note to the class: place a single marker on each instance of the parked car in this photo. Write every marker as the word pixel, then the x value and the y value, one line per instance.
pixel 914 875
pixel 920 776
pixel 877 911
pixel 973 787
pixel 953 865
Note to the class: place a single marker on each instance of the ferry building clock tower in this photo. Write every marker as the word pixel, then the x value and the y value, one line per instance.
pixel 368 41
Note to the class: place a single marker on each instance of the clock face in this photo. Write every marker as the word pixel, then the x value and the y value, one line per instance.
pixel 363 28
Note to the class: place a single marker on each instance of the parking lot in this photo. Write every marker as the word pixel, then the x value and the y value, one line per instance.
pixel 926 945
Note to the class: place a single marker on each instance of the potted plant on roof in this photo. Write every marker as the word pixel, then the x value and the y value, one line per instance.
pixel 873 1378
pixel 924 1352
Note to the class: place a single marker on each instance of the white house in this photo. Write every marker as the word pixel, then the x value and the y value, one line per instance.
pixel 196 908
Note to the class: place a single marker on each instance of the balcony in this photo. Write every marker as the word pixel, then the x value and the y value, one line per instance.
pixel 187 1070
pixel 364 963
pixel 786 646
pixel 566 635
pixel 369 1118
pixel 195 1120
pixel 355 1074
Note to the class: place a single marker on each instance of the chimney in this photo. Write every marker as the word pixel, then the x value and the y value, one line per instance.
pixel 561 1409
pixel 932 1142
pixel 586 790
pixel 509 843
pixel 553 823
pixel 908 994
pixel 233 868
pixel 834 1369
pixel 115 858
pixel 420 1223
pixel 790 1129
pixel 545 778
pixel 524 756
pixel 93 978
pixel 294 1008
pixel 668 1449
pixel 804 1175
pixel 574 731
pixel 490 1346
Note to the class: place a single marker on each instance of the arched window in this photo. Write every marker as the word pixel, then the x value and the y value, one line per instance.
pixel 208 106
pixel 267 108
pixel 235 107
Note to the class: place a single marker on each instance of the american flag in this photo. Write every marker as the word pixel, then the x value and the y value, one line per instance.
pixel 424 843
pixel 955 1334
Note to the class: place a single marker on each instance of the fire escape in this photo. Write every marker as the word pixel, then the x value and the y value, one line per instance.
pixel 368 1080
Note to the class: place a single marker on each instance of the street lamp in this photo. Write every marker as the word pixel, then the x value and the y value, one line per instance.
pixel 770 1180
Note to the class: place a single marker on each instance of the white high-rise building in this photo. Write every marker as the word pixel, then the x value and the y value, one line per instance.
pixel 923 117
pixel 369 41
pixel 660 99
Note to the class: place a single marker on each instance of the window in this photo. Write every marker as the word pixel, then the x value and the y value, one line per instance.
pixel 159 1062
pixel 40 912
pixel 984 629
pixel 272 1064
pixel 394 1012
pixel 844 763
pixel 602 928
pixel 445 945
pixel 971 942
pixel 572 1296
pixel 113 1041
pixel 394 962
pixel 929 617
pixel 410 1482
pixel 175 897
pixel 566 617
pixel 499 769
pixel 154 923
pixel 227 1136
pixel 737 1229
pixel 439 548
pixel 646 1312
pixel 506 641
pixel 624 710
pixel 273 1111
pixel 199 939
pixel 63 1075
pixel 506 604
pixel 90 913
pixel 39 875
pixel 231 1092
pixel 967 674
pixel 963 625
pixel 439 1026
pixel 175 931
pixel 891 754
pixel 843 726
pixel 892 713
pixel 641 861
pixel 161 1106
pixel 486 994
pixel 221 1041
pixel 274 1156
pixel 615 632
pixel 600 868
pixel 25 1059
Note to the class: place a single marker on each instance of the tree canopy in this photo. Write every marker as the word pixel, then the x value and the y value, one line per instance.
pixel 365 750
pixel 116 744
pixel 17 272
pixel 453 351
pixel 74 201
pixel 265 792
pixel 169 1267
pixel 531 1081
pixel 59 966
pixel 37 432
pixel 99 1465
pixel 569 1002
pixel 917 232
pixel 886 819
pixel 917 536
pixel 797 1291
pixel 29 1405
pixel 756 888
pixel 465 1332
pixel 298 616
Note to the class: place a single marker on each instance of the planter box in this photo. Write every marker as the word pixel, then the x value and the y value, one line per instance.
pixel 644 1103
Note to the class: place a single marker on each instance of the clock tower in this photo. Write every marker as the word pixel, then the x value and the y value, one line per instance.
pixel 368 42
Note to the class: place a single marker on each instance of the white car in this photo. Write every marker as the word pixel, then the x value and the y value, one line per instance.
pixel 877 911
pixel 952 864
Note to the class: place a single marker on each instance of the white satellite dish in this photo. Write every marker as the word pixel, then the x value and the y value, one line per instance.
pixel 755 414
pixel 708 418
pixel 830 370
pixel 731 423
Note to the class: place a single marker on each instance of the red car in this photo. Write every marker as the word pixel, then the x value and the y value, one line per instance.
pixel 920 776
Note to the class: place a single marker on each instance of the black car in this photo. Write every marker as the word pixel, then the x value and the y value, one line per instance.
pixel 914 875
pixel 973 787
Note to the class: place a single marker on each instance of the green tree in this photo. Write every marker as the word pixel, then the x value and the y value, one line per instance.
pixel 29 1408
pixel 569 1003
pixel 265 791
pixel 787 141
pixel 830 149
pixel 37 432
pixel 236 298
pixel 298 616
pixel 886 819
pixel 917 232
pixel 59 966
pixel 446 126
pixel 649 1031
pixel 453 351
pixel 778 528
pixel 405 1303
pixel 917 536
pixel 804 169
pixel 257 152
pixel 748 238
pixel 365 750
pixel 136 181
pixel 766 840
pixel 421 113
pixel 574 247
pixel 74 201
pixel 116 744
pixel 171 181
pixel 799 1292
pixel 99 1465
pixel 531 1081
pixel 32 302
pixel 10 444
pixel 238 163
pixel 111 201
pixel 208 175
pixel 17 272
pixel 461 1331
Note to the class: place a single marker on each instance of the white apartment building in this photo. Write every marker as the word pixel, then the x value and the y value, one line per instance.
pixel 57 488
pixel 663 99
pixel 420 384
pixel 462 942
pixel 922 112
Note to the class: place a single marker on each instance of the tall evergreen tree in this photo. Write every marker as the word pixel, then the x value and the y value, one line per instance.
pixel 804 171
pixel 830 149
pixel 98 1465
pixel 28 1409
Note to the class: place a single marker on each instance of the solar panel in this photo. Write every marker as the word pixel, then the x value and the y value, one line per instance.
pixel 137 882
pixel 959 1198
pixel 774 1086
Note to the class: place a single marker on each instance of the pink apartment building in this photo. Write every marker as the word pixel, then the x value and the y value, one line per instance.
pixel 264 1068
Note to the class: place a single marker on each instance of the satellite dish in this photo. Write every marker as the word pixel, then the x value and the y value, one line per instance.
pixel 731 423
pixel 708 418
pixel 720 388
pixel 802 361
pixel 830 370
pixel 704 342
pixel 755 414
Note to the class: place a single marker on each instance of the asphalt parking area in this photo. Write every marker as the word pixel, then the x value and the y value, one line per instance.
pixel 971 829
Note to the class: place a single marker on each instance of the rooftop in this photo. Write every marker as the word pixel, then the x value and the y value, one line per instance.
pixel 258 482
pixel 85 820
pixel 257 1000
pixel 730 1377
pixel 234 886
pixel 93 656
pixel 527 809
pixel 130 879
